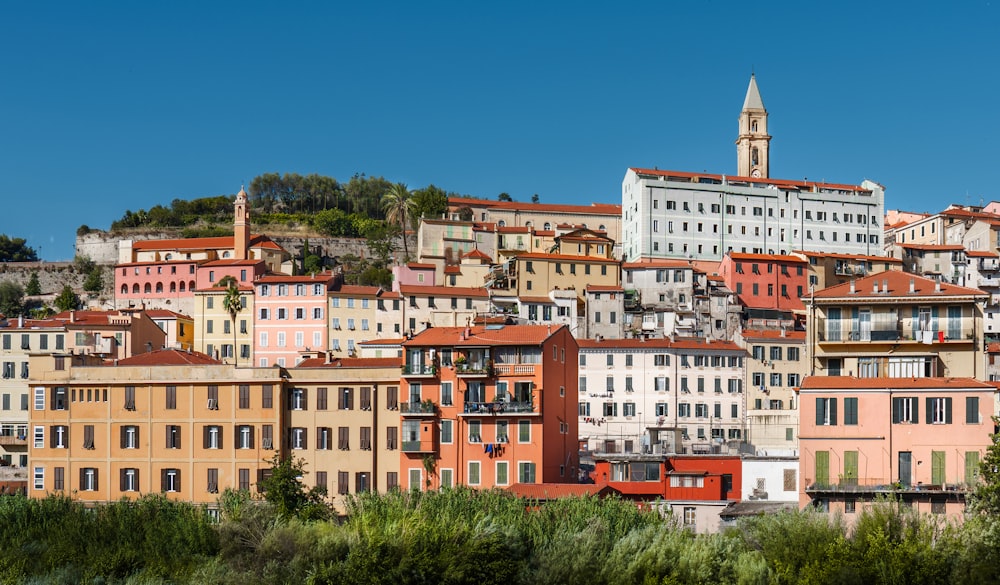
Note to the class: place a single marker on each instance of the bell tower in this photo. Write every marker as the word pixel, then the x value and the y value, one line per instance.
pixel 752 143
pixel 241 226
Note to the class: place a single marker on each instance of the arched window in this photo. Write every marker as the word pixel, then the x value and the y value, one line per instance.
pixel 182 286
pixel 168 257
pixel 135 288
pixel 225 254
pixel 159 288
pixel 547 226
pixel 501 223
pixel 147 289
pixel 191 286
pixel 602 228
pixel 753 126
pixel 173 287
pixel 124 289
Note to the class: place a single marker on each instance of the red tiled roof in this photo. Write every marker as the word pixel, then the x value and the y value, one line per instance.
pixel 322 278
pixel 644 263
pixel 604 288
pixel 659 343
pixel 981 254
pixel 87 317
pixel 484 335
pixel 158 263
pixel 393 341
pixel 766 257
pixel 164 314
pixel 452 269
pixel 550 491
pixel 809 254
pixel 169 357
pixel 419 266
pixel 898 287
pixel 736 179
pixel 993 348
pixel 443 291
pixel 592 209
pixel 530 299
pixel 215 243
pixel 851 382
pixel 563 257
pixel 775 335
pixel 476 253
pixel 354 289
pixel 350 363
pixel 932 247
pixel 232 262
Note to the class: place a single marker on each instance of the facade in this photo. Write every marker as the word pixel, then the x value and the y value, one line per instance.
pixel 168 421
pixel 606 316
pixel 764 281
pixel 753 143
pixel 110 334
pixel 289 318
pixel 489 406
pixel 445 242
pixel 353 314
pixel 983 273
pixel 342 419
pixel 944 262
pixel 692 385
pixel 178 328
pixel 775 368
pixel 544 216
pixel 661 297
pixel 216 333
pixel 826 270
pixel 537 273
pixel 919 439
pixel 896 325
pixel 440 306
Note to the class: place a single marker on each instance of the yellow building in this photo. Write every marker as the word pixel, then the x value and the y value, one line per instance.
pixel 167 421
pixel 342 419
pixel 213 334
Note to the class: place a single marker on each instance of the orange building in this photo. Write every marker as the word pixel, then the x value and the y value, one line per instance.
pixel 168 421
pixel 489 406
pixel 766 281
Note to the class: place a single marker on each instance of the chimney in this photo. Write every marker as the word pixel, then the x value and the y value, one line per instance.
pixel 72 316
pixel 875 287
pixel 937 286
pixel 885 286
pixel 327 360
pixel 912 287
pixel 20 322
pixel 852 286
pixel 782 331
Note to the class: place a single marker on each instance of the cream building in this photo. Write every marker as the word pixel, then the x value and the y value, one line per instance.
pixel 775 368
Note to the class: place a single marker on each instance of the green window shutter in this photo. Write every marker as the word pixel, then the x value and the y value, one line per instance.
pixel 930 407
pixel 915 403
pixel 937 467
pixel 851 467
pixel 947 410
pixel 971 467
pixel 896 405
pixel 833 411
pixel 934 320
pixel 972 409
pixel 820 412
pixel 822 468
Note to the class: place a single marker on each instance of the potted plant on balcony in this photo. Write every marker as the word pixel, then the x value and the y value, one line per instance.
pixel 427 406
pixel 489 367
pixel 461 362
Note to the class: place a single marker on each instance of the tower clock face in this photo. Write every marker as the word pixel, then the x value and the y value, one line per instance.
pixel 755 174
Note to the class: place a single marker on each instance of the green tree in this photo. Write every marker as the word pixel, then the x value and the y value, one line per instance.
pixel 382 241
pixel 34 287
pixel 465 213
pixel 334 223
pixel 16 250
pixel 11 299
pixel 398 206
pixel 285 490
pixel 67 299
pixel 233 304
pixel 534 198
pixel 431 202
pixel 94 282
pixel 504 197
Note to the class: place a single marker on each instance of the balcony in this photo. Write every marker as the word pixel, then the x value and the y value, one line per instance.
pixel 419 446
pixel 418 371
pixel 515 369
pixel 14 440
pixel 474 369
pixel 878 485
pixel 500 408
pixel 425 409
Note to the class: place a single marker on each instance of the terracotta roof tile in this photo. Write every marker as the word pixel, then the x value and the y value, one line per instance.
pixel 393 341
pixel 694 343
pixel 169 357
pixel 793 335
pixel 353 289
pixel 165 314
pixel 215 243
pixel 564 257
pixel 932 247
pixel 322 278
pixel 550 491
pixel 653 263
pixel 443 291
pixel 420 266
pixel 852 382
pixel 350 363
pixel 898 284
pixel 604 288
pixel 809 185
pixel 484 336
pixel 809 254
pixel 592 209
pixel 981 254
pixel 766 258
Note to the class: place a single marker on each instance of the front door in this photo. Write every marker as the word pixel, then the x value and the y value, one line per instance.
pixel 905 468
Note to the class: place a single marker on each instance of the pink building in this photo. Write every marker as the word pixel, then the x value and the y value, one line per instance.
pixel 289 318
pixel 245 272
pixel 919 439
pixel 138 282
pixel 413 273
pixel 766 281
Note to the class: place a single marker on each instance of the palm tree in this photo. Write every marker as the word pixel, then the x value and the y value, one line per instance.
pixel 398 206
pixel 233 303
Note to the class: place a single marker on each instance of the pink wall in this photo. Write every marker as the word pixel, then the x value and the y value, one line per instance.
pixel 161 280
pixel 766 298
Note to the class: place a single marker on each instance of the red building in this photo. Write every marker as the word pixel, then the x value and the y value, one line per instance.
pixel 766 281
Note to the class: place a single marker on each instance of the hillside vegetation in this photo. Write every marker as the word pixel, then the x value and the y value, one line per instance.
pixel 463 536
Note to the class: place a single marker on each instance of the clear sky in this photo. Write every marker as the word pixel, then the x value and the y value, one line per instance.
pixel 107 107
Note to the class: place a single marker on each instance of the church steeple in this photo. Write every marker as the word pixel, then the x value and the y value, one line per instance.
pixel 752 145
pixel 241 226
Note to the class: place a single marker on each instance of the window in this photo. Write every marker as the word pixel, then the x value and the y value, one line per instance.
pixel 939 411
pixel 129 479
pixel 244 396
pixel 523 431
pixel 297 399
pixel 905 410
pixel 972 410
pixel 173 437
pixel 850 411
pixel 60 400
pixel 129 437
pixel 775 352
pixel 171 397
pixel 826 411
pixel 475 431
pixel 212 437
pixel 344 438
pixel 448 431
pixel 297 437
pixel 88 479
pixel 170 480
pixel 474 468
pixel 525 472
pixel 59 437
pixel 793 354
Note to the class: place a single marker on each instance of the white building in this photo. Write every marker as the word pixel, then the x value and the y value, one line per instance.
pixel 629 385
pixel 674 214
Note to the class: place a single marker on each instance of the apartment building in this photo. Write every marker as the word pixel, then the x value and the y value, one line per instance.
pixel 919 439
pixel 440 306
pixel 342 418
pixel 290 317
pixel 627 386
pixel 169 421
pixel 766 282
pixel 353 314
pixel 826 269
pixel 217 333
pixel 896 325
pixel 489 406
pixel 20 338
pixel 111 334
pixel 544 216
pixel 660 297
pixel 983 273
pixel 776 365
pixel 177 327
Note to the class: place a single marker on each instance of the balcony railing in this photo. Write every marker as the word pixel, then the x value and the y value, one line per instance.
pixel 12 440
pixel 425 408
pixel 500 407
pixel 514 369
pixel 418 447
pixel 879 485
pixel 889 333
pixel 419 370
pixel 473 369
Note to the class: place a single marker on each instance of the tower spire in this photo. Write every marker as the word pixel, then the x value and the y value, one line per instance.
pixel 752 144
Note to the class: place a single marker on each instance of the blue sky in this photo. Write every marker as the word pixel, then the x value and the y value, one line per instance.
pixel 106 107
